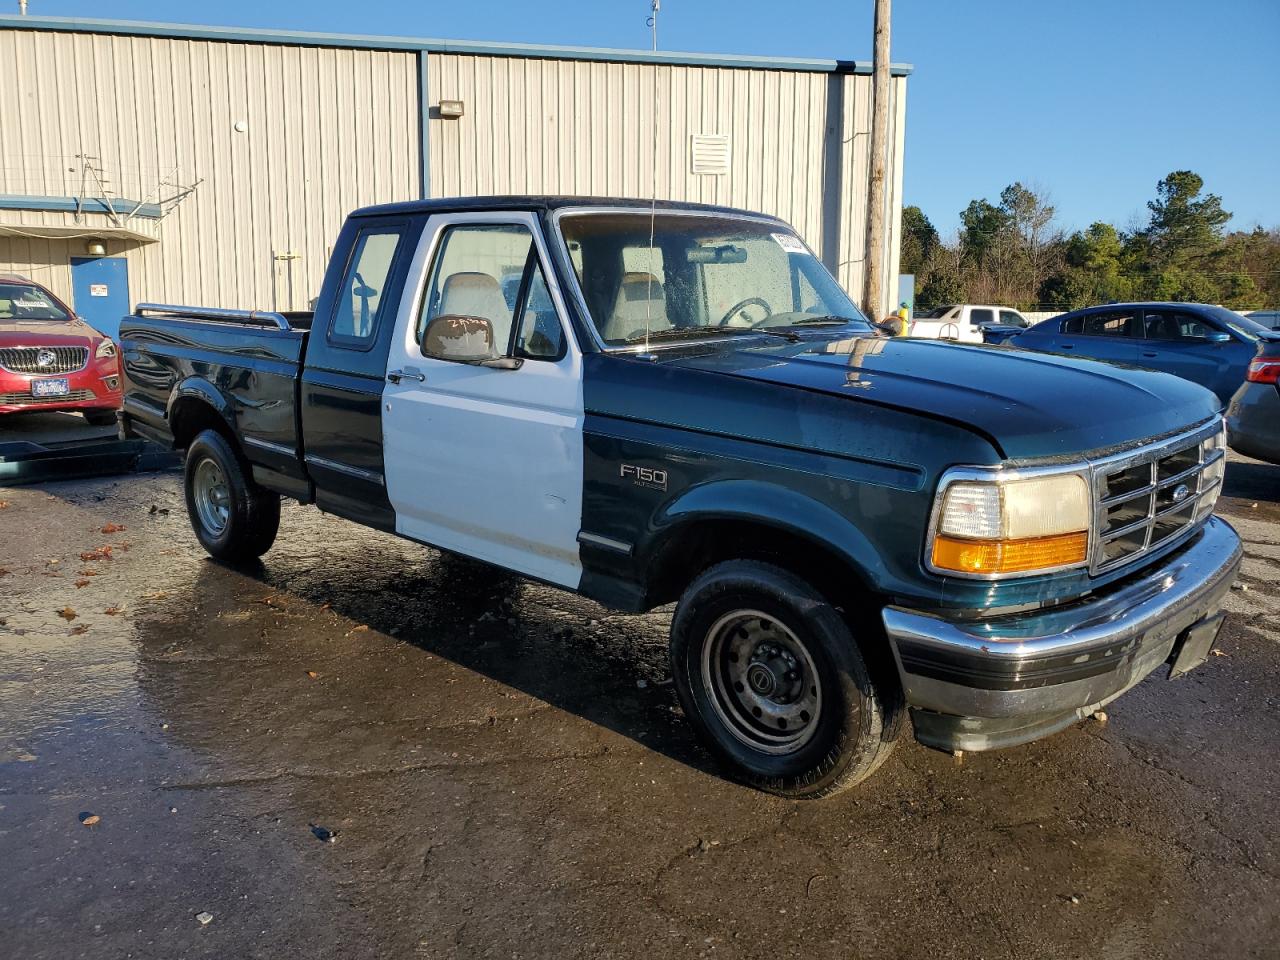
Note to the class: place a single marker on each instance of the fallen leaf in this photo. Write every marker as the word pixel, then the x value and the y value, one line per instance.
pixel 3 572
pixel 113 528
pixel 88 572
pixel 79 629
pixel 1219 653
pixel 92 820
pixel 112 611
pixel 81 583
pixel 360 629
pixel 53 563
pixel 66 613
pixel 205 918
pixel 4 504
pixel 312 674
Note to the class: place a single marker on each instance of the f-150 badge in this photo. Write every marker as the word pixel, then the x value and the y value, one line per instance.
pixel 644 476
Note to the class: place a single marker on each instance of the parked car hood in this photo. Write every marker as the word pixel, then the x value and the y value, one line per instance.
pixel 1031 405
pixel 46 333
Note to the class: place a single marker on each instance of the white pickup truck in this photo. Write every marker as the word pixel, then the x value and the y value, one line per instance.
pixel 969 323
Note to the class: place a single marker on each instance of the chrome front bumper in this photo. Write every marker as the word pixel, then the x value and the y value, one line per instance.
pixel 982 684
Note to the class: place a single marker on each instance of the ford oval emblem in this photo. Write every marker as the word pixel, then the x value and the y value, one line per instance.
pixel 1181 492
pixel 46 358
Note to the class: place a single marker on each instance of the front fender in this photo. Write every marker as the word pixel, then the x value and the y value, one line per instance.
pixel 768 504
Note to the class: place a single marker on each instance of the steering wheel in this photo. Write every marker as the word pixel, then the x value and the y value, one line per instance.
pixel 742 305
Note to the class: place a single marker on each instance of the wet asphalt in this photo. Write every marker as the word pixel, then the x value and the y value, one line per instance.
pixel 363 748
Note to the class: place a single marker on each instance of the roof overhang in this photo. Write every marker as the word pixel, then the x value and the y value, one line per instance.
pixel 73 231
pixel 429 45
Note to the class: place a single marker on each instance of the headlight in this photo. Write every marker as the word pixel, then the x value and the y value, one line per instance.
pixel 105 349
pixel 1213 453
pixel 996 527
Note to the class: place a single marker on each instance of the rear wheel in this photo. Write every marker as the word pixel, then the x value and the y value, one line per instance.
pixel 100 418
pixel 233 518
pixel 773 682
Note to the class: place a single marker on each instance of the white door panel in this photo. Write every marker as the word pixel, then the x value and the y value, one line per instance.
pixel 482 461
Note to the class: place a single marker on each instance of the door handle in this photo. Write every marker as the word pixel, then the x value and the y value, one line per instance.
pixel 395 376
pixel 1146 353
pixel 1068 346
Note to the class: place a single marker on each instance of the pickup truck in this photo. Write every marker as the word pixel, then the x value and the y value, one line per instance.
pixel 968 323
pixel 678 403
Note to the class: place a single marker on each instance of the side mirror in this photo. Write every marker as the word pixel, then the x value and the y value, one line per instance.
pixel 460 338
pixel 1218 336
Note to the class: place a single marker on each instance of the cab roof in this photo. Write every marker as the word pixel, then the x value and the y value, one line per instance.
pixel 539 203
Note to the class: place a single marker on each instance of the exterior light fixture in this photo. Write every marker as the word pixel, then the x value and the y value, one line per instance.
pixel 95 248
pixel 451 109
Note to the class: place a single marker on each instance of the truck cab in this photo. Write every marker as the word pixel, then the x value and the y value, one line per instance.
pixel 675 403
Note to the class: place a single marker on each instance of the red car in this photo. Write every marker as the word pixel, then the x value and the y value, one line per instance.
pixel 52 360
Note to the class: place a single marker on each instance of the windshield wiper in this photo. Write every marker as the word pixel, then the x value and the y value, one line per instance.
pixel 683 333
pixel 826 320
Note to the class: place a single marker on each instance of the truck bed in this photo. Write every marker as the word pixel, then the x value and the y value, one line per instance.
pixel 245 364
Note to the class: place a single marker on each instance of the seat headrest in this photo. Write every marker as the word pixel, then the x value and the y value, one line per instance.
pixel 640 298
pixel 472 294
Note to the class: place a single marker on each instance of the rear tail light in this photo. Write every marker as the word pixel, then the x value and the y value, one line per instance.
pixel 1264 371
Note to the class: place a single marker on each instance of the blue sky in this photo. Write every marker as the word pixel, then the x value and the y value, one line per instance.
pixel 1092 100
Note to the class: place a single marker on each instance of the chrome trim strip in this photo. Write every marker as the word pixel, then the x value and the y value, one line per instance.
pixel 346 468
pixel 267 445
pixel 608 543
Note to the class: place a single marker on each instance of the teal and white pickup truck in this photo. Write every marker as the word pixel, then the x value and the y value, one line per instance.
pixel 682 405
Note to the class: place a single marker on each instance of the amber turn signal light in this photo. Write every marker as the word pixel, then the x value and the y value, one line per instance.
pixel 1010 556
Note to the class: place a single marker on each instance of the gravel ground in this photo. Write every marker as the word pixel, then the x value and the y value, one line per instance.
pixel 365 749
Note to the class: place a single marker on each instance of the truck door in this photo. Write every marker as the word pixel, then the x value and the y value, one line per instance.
pixel 482 411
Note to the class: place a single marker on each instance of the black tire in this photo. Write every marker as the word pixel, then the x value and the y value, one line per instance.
pixel 100 418
pixel 856 721
pixel 250 514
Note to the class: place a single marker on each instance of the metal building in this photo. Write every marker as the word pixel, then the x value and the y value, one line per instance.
pixel 214 166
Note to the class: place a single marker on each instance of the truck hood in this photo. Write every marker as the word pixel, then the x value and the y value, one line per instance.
pixel 46 333
pixel 1030 405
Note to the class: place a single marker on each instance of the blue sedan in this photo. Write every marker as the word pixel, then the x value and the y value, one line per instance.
pixel 1211 346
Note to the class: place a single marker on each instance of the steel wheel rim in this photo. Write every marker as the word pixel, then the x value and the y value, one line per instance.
pixel 212 496
pixel 748 662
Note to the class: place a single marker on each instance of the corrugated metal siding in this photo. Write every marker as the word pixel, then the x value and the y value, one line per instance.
pixel 328 130
pixel 582 128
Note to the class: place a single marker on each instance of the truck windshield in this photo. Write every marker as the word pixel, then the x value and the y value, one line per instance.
pixel 703 275
pixel 25 301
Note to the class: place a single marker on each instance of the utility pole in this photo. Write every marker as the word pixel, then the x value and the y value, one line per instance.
pixel 873 294
pixel 22 7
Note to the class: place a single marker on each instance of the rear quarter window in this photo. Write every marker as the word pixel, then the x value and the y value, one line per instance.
pixel 364 297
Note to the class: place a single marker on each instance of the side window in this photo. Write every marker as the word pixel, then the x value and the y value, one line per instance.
pixel 1169 325
pixel 485 275
pixel 539 336
pixel 982 316
pixel 1112 324
pixel 1073 325
pixel 360 303
pixel 1012 318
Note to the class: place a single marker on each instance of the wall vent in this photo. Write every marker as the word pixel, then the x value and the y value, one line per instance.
pixel 709 154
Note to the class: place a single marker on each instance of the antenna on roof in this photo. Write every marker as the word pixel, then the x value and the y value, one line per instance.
pixel 655 6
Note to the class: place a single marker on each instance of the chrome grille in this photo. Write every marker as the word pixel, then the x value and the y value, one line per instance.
pixel 1151 497
pixel 8 399
pixel 27 359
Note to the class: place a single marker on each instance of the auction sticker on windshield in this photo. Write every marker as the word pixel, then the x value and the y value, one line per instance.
pixel 790 243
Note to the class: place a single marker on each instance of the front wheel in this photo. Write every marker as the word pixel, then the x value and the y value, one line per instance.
pixel 773 682
pixel 233 518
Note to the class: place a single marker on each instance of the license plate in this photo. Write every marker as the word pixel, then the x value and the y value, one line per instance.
pixel 50 388
pixel 1192 648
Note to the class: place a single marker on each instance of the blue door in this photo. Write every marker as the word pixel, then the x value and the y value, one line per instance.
pixel 100 289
